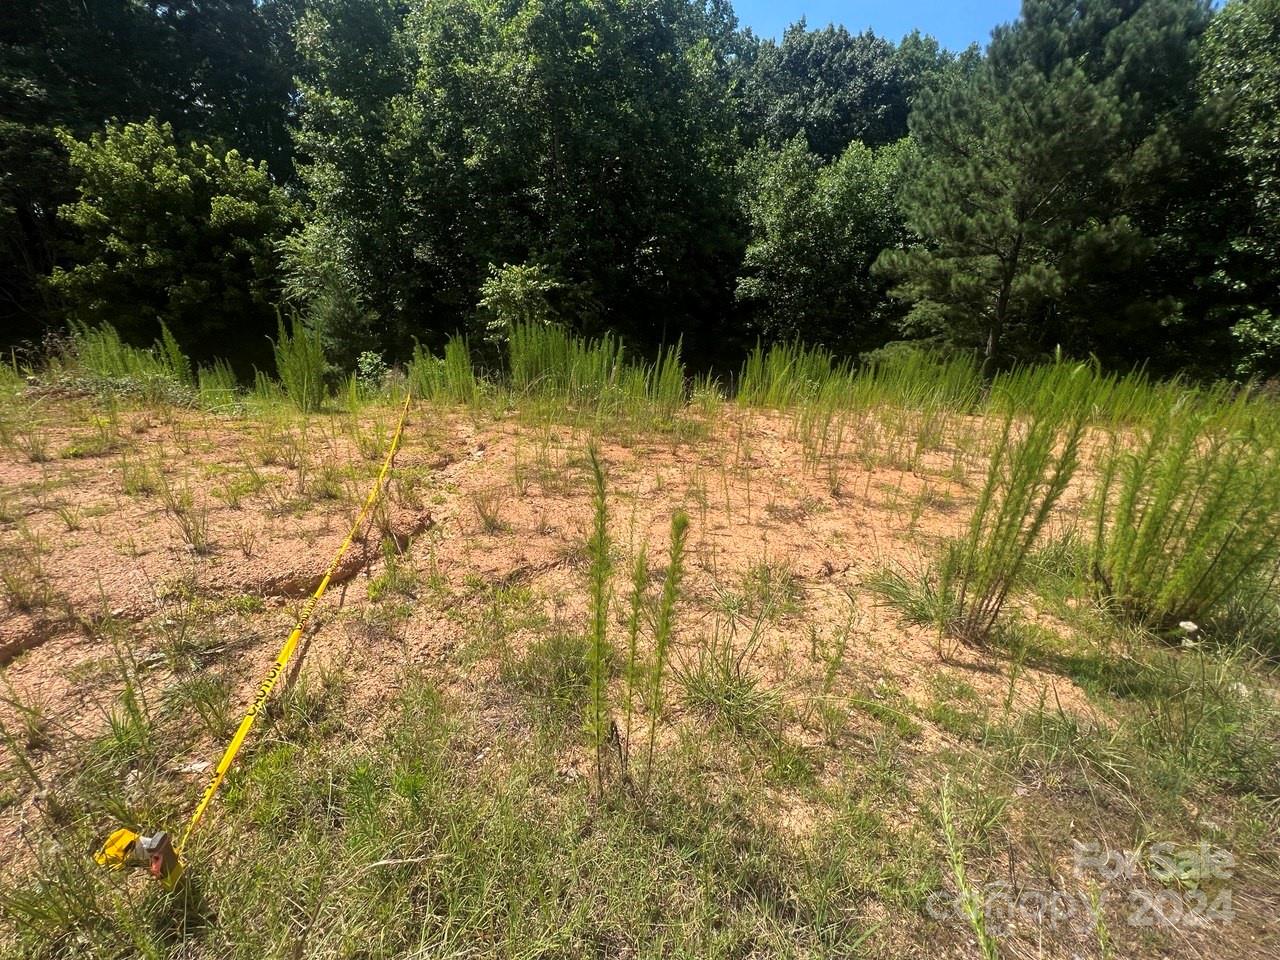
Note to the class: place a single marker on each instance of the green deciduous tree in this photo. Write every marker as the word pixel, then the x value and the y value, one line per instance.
pixel 831 86
pixel 172 233
pixel 219 70
pixel 591 138
pixel 816 230
pixel 1241 76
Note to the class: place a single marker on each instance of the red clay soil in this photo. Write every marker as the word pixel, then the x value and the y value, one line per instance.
pixel 478 502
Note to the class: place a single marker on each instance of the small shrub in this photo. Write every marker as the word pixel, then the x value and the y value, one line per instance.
pixel 516 294
pixel 371 372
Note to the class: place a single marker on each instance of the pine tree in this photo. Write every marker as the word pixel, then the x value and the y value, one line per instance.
pixel 1035 172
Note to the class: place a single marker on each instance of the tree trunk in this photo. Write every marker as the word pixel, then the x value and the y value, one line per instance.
pixel 1001 316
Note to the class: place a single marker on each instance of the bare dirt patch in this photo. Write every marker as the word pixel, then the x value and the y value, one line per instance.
pixel 477 555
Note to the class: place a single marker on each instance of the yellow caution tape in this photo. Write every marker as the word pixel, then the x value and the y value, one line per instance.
pixel 282 659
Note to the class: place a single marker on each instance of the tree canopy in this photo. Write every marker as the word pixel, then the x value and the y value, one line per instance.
pixel 1101 178
pixel 173 234
pixel 217 70
pixel 1042 178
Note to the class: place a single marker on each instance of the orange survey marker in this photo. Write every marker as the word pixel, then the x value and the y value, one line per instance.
pixel 163 858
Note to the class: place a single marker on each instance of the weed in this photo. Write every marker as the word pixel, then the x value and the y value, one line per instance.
pixel 72 518
pixel 305 710
pixel 103 439
pixel 767 589
pixel 235 488
pixel 160 374
pixel 326 483
pixel 33 714
pixel 971 900
pixel 1052 743
pixel 598 724
pixel 33 440
pixel 717 683
pixel 209 698
pixel 137 479
pixel 192 521
pixel 25 581
pixel 397 577
pixel 662 632
pixel 639 583
pixel 488 504
pixel 924 599
pixel 555 674
pixel 886 704
pixel 246 541
pixel 300 364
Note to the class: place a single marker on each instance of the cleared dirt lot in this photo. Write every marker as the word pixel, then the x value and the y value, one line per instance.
pixel 173 548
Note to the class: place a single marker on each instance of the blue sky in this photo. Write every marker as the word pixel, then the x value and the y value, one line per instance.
pixel 956 24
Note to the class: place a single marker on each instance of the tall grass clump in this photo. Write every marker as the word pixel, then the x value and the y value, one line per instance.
pixel 1113 400
pixel 172 358
pixel 786 373
pixel 11 377
pixel 598 723
pixel 217 385
pixel 1033 461
pixel 300 365
pixel 450 378
pixel 665 382
pixel 718 684
pixel 919 379
pixel 1188 509
pixel 154 372
pixel 546 362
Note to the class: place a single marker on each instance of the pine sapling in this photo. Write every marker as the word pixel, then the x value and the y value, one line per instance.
pixel 639 580
pixel 662 630
pixel 600 572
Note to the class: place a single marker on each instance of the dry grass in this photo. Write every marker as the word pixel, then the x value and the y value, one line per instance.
pixel 432 754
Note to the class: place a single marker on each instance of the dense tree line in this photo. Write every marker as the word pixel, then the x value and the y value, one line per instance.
pixel 1103 178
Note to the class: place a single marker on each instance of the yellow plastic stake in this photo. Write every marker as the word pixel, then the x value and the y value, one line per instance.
pixel 291 644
